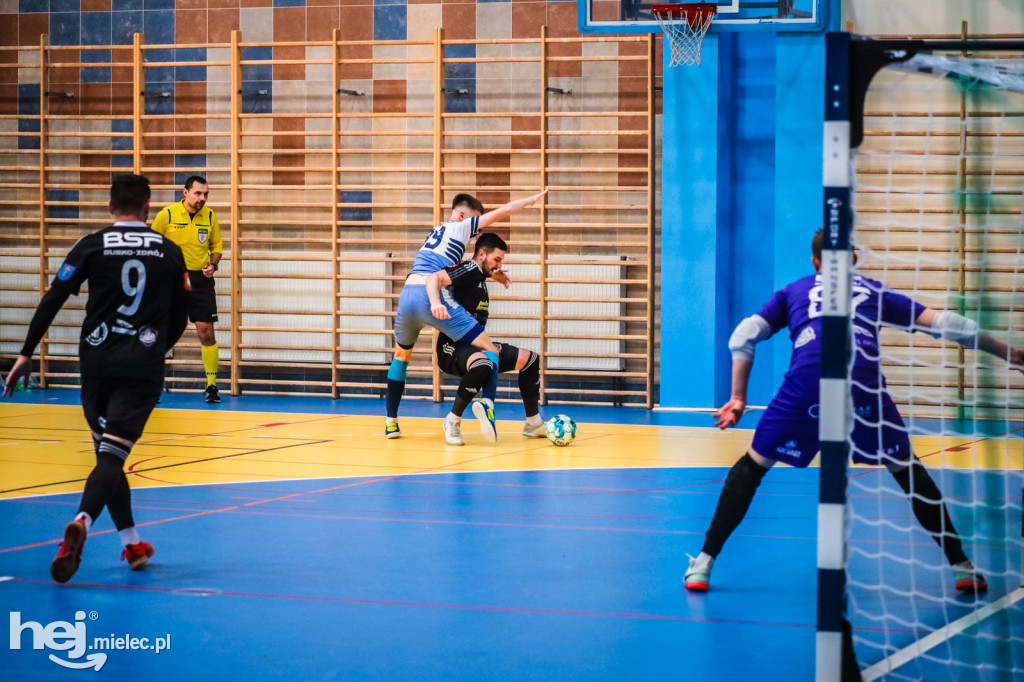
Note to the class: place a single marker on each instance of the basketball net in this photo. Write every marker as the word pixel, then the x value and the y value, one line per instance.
pixel 684 26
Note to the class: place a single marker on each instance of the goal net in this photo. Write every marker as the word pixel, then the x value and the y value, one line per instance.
pixel 937 191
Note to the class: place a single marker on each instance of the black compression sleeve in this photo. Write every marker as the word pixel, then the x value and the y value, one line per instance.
pixel 45 312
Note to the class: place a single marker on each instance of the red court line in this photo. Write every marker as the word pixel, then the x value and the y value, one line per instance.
pixel 343 510
pixel 450 522
pixel 955 448
pixel 431 605
pixel 143 461
pixel 272 499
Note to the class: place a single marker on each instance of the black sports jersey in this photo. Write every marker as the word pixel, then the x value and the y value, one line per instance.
pixel 138 298
pixel 469 289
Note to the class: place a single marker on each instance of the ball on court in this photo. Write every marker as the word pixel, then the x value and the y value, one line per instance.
pixel 561 430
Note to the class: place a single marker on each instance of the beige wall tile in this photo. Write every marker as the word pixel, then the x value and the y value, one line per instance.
pixel 419 95
pixel 390 71
pixel 256 24
pixel 422 71
pixel 601 69
pixel 423 21
pixel 319 72
pixel 28 62
pixel 289 97
pixel 493 20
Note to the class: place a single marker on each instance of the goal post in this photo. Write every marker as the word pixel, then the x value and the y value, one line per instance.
pixel 923 176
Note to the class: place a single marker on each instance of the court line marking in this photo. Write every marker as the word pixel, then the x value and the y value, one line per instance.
pixel 375 479
pixel 5 578
pixel 925 644
pixel 172 465
pixel 433 605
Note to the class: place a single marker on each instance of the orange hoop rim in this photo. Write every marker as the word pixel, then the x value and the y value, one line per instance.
pixel 692 12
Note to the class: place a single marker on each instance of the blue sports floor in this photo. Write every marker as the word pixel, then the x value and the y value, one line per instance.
pixel 563 573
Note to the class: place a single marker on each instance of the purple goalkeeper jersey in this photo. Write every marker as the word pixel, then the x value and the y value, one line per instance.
pixel 798 306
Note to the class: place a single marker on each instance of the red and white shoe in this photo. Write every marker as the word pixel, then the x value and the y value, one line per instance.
pixel 698 575
pixel 137 555
pixel 69 556
pixel 968 580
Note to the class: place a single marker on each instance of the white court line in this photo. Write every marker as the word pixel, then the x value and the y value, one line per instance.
pixel 941 635
pixel 4 578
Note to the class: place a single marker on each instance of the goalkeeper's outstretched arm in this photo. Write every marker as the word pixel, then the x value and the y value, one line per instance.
pixel 962 330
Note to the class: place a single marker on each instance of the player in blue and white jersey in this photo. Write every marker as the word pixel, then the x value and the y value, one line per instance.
pixel 467 284
pixel 788 430
pixel 444 247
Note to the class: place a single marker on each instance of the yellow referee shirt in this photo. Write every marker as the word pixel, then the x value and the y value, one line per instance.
pixel 198 236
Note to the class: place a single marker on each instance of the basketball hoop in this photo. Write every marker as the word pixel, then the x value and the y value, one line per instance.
pixel 684 25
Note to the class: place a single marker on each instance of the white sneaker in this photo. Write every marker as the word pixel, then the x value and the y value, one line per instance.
pixel 453 431
pixel 538 429
pixel 698 575
pixel 483 410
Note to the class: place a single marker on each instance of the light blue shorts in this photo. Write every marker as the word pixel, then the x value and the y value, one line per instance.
pixel 414 314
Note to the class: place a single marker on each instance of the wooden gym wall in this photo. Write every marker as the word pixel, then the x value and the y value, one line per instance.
pixel 329 161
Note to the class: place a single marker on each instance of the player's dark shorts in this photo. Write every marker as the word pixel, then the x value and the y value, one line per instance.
pixel 202 305
pixel 452 357
pixel 788 430
pixel 119 406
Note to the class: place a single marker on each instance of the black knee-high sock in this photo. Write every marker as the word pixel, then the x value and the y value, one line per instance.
pixel 396 385
pixel 104 479
pixel 529 385
pixel 475 378
pixel 930 510
pixel 394 396
pixel 740 486
pixel 120 504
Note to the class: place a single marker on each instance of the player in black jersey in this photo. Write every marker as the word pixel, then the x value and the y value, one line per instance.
pixel 137 309
pixel 466 283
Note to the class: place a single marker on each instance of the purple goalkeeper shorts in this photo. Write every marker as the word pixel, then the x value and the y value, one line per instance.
pixel 788 430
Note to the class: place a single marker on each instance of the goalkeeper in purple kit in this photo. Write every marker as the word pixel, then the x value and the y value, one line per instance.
pixel 788 430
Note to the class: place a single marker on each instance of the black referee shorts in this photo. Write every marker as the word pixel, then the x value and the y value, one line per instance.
pixel 203 301
pixel 119 406
pixel 452 358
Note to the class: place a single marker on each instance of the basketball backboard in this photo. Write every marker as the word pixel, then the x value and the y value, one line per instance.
pixel 634 16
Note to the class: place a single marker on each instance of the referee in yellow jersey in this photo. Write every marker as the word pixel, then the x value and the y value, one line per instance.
pixel 193 227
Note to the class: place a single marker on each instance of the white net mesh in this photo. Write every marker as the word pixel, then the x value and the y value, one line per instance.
pixel 939 210
pixel 684 27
